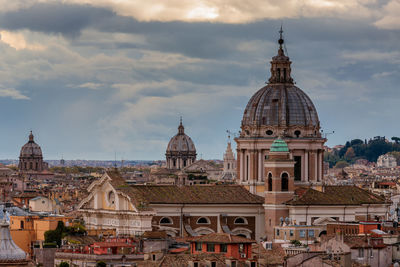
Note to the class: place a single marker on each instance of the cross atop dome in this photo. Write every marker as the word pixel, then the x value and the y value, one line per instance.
pixel 31 138
pixel 181 129
pixel 280 65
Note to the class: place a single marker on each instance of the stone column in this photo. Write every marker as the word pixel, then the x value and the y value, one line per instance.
pixel 320 165
pixel 316 165
pixel 242 165
pixel 260 165
pixel 306 179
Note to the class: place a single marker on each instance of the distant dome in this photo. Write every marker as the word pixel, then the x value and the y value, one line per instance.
pixel 31 149
pixel 181 142
pixel 30 157
pixel 181 151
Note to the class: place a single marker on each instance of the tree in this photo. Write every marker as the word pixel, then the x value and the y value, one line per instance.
pixel 396 139
pixel 64 264
pixel 341 164
pixel 55 236
pixel 296 243
pixel 349 154
pixel 101 264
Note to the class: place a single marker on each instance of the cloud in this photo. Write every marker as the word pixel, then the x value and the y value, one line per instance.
pixel 53 17
pixel 13 93
pixel 226 11
pixel 390 18
pixel 392 57
pixel 90 85
pixel 17 41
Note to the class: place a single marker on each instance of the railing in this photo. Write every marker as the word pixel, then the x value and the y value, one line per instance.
pixel 81 256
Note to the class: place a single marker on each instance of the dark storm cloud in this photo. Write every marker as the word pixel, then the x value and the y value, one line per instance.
pixel 66 19
pixel 200 39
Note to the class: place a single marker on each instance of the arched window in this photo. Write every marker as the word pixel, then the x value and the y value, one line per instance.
pixel 229 166
pixel 269 182
pixel 111 197
pixel 165 220
pixel 203 220
pixel 240 220
pixel 285 182
pixel 184 163
pixel 174 162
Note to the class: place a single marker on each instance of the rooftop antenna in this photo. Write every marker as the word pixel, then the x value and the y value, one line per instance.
pixel 326 134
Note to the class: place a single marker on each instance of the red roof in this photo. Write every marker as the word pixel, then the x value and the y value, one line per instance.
pixel 178 250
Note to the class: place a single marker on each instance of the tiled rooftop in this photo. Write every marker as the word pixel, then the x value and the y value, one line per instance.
pixel 336 195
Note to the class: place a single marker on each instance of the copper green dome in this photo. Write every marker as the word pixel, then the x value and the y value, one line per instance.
pixel 279 145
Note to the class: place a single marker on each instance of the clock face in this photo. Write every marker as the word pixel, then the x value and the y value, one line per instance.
pixel 111 197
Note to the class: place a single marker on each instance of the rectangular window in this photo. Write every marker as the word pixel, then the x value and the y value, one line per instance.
pixel 213 264
pixel 210 247
pixel 253 264
pixel 241 248
pixel 195 264
pixel 297 168
pixel 361 253
pixel 302 233
pixel 311 233
pixel 277 232
pixel 223 248
pixel 291 233
pixel 198 246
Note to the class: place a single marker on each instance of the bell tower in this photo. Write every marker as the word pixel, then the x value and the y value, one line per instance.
pixel 279 185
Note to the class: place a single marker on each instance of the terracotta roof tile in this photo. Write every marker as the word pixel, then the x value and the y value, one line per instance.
pixel 337 195
pixel 198 194
pixel 221 238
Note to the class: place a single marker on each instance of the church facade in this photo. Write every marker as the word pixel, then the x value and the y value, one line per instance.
pixel 178 210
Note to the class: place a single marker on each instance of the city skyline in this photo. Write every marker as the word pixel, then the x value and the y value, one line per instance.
pixel 106 78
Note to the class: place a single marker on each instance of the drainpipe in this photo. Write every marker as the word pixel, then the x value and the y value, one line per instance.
pixel 181 220
pixel 307 214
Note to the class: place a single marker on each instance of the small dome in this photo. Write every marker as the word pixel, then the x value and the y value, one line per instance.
pixel 31 149
pixel 181 142
pixel 279 145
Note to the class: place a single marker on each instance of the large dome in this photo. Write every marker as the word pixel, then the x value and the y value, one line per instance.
pixel 181 142
pixel 31 149
pixel 280 105
pixel 280 108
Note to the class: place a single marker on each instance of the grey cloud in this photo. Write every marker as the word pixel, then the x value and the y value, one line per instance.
pixel 66 19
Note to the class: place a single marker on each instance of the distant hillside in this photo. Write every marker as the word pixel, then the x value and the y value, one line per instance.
pixel 359 149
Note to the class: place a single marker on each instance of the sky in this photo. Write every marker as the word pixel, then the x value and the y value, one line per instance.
pixel 95 78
